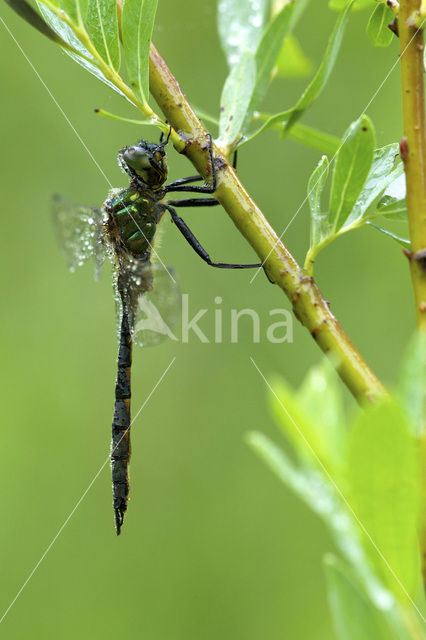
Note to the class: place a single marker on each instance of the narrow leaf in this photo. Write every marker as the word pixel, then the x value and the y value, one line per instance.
pixel 382 173
pixel 315 491
pixel 240 25
pixel 289 117
pixel 268 50
pixel 137 23
pixel 393 203
pixel 25 11
pixel 306 422
pixel 322 400
pixel 277 460
pixel 351 169
pixel 319 140
pixel 102 26
pixel 322 75
pixel 377 28
pixel 385 484
pixel 72 9
pixel 404 242
pixel 354 615
pixel 299 8
pixel 76 50
pixel 338 5
pixel 392 209
pixel 235 100
pixel 320 227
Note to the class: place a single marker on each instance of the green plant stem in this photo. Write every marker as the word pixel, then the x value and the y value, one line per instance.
pixel 308 304
pixel 414 155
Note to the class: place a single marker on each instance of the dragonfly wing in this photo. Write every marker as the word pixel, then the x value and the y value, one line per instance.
pixel 152 299
pixel 80 232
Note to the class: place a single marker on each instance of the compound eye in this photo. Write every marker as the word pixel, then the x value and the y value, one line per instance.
pixel 136 158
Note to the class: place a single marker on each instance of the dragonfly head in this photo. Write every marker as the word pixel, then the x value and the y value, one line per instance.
pixel 146 162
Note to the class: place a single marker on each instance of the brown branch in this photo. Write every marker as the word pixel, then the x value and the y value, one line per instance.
pixel 308 304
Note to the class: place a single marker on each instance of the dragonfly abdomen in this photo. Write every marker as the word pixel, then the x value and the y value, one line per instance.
pixel 120 447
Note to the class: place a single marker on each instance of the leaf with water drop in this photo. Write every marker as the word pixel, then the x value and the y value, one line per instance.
pixel 240 25
pixel 235 100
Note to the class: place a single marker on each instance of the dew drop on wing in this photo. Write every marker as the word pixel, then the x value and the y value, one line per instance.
pixel 153 299
pixel 80 232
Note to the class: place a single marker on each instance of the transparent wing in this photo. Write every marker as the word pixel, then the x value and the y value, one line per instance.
pixel 80 232
pixel 152 298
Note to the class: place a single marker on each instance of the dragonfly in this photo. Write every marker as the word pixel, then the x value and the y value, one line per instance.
pixel 125 229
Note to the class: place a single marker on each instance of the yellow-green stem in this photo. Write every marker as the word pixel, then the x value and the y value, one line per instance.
pixel 308 304
pixel 413 147
pixel 413 151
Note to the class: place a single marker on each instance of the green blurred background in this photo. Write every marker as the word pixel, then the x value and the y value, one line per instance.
pixel 213 546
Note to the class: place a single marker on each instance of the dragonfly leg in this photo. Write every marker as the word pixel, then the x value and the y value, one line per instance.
pixel 194 202
pixel 179 185
pixel 181 181
pixel 168 135
pixel 199 249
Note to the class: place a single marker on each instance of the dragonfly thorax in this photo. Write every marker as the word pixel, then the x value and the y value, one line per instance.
pixel 133 215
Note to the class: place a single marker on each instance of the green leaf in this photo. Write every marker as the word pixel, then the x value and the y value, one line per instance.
pixel 268 50
pixel 72 9
pixel 404 242
pixel 316 491
pixel 320 395
pixel 235 100
pixel 377 28
pixel 385 485
pixel 412 383
pixel 102 27
pixel 352 166
pixel 321 77
pixel 299 8
pixel 137 22
pixel 287 119
pixel 382 174
pixel 77 51
pixel 240 25
pixel 319 140
pixel 25 11
pixel 306 421
pixel 320 227
pixel 392 209
pixel 354 615
pixel 291 61
pixel 338 5
pixel 277 460
pixel 393 204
